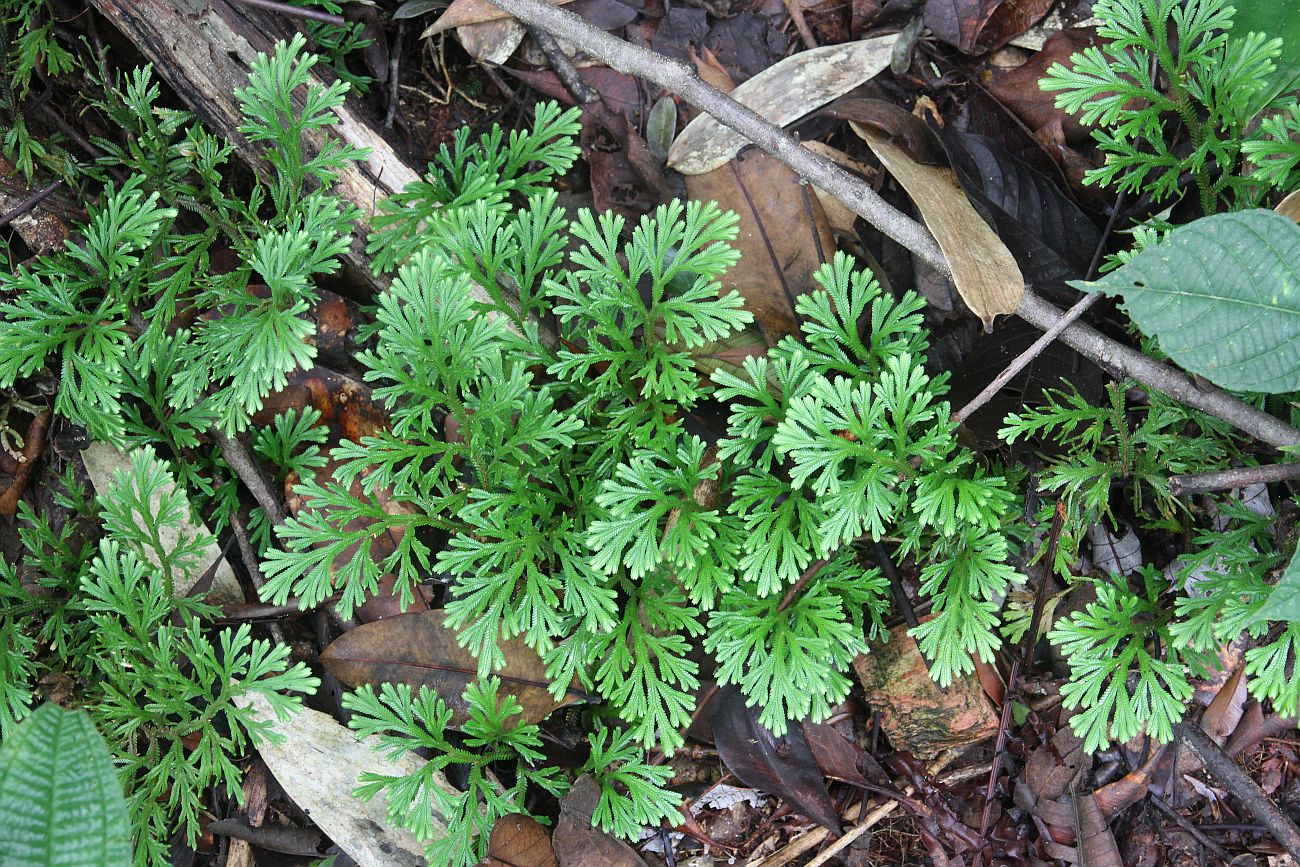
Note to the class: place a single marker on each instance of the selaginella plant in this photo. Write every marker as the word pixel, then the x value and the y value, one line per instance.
pixel 1170 66
pixel 1148 78
pixel 543 410
pixel 544 413
pixel 550 440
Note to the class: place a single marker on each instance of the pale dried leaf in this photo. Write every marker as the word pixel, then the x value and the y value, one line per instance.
pixel 782 93
pixel 102 461
pixel 463 12
pixel 318 763
pixel 1115 555
pixel 491 42
pixel 984 271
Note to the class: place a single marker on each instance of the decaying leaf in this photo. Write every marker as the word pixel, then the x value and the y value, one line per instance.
pixel 463 12
pixel 784 236
pixel 840 758
pixel 103 462
pixel 1018 89
pixel 782 93
pixel 520 841
pixel 421 650
pixel 984 271
pixel 783 766
pixel 577 843
pixel 319 762
pixel 491 42
pixel 1096 844
pixel 917 715
pixel 979 25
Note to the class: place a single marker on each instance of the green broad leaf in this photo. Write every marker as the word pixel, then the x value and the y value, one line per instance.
pixel 1274 18
pixel 60 801
pixel 1284 602
pixel 1223 296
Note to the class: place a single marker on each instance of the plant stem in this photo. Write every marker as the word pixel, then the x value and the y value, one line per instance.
pixel 865 202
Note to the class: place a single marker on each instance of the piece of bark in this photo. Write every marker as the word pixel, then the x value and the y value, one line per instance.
pixel 204 50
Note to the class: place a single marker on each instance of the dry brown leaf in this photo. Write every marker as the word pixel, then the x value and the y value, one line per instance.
pixel 520 841
pixel 838 214
pixel 1290 206
pixel 577 843
pixel 782 93
pixel 491 42
pixel 421 650
pixel 784 236
pixel 463 12
pixel 1224 713
pixel 1018 89
pixel 984 271
pixel 917 715
pixel 319 762
pixel 709 69
pixel 1096 843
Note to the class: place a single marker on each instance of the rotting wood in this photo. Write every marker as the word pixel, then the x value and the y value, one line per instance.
pixel 204 50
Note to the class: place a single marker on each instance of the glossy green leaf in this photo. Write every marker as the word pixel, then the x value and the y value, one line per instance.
pixel 1223 296
pixel 1274 18
pixel 60 801
pixel 1284 602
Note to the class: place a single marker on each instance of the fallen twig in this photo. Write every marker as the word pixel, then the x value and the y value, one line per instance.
pixel 864 201
pixel 1022 360
pixel 394 77
pixel 1197 834
pixel 297 11
pixel 250 475
pixel 873 819
pixel 563 66
pixel 1242 787
pixel 28 204
pixel 800 23
pixel 1237 477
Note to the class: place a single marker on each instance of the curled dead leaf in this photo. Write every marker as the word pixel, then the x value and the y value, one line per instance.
pixel 520 841
pixel 984 271
pixel 782 93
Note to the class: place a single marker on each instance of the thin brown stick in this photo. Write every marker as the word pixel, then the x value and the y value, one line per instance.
pixel 297 11
pixel 798 586
pixel 1242 786
pixel 1197 833
pixel 563 66
pixel 250 475
pixel 1022 661
pixel 249 556
pixel 800 23
pixel 864 201
pixel 28 204
pixel 1021 361
pixel 1237 477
